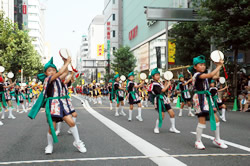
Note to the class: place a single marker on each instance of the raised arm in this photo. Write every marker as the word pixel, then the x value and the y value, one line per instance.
pixel 214 72
pixel 166 86
pixel 62 70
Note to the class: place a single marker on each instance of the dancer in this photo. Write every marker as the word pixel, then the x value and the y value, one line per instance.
pixel 133 97
pixel 217 101
pixel 185 94
pixel 55 100
pixel 161 102
pixel 203 102
pixel 20 98
pixel 110 94
pixel 118 91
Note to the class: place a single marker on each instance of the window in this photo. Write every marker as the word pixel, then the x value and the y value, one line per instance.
pixel 114 48
pixel 113 17
pixel 113 1
pixel 113 33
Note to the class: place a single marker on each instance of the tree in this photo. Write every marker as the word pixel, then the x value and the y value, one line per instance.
pixel 228 23
pixel 124 61
pixel 190 42
pixel 17 51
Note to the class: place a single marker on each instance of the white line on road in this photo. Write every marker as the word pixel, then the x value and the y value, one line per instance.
pixel 121 158
pixel 140 144
pixel 227 142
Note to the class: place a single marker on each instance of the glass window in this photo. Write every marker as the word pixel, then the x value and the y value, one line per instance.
pixel 113 17
pixel 113 33
pixel 113 1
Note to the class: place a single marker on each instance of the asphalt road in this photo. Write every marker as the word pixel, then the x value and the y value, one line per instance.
pixel 114 141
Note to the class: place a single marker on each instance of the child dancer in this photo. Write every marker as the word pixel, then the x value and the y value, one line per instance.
pixel 185 94
pixel 118 91
pixel 217 101
pixel 203 102
pixel 55 100
pixel 28 95
pixel 19 98
pixel 110 94
pixel 133 97
pixel 161 102
pixel 5 98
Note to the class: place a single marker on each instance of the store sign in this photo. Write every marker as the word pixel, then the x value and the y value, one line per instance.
pixel 100 49
pixel 150 23
pixel 171 53
pixel 24 9
pixel 133 33
pixel 108 39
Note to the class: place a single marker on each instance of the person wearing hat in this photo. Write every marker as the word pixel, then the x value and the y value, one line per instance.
pixel 28 95
pixel 161 102
pixel 133 96
pixel 118 93
pixel 217 101
pixel 94 92
pixel 110 94
pixel 20 98
pixel 185 95
pixel 5 97
pixel 56 104
pixel 203 102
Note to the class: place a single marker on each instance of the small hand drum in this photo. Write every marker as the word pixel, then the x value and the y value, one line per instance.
pixel 146 80
pixel 2 69
pixel 123 78
pixel 222 80
pixel 168 75
pixel 120 81
pixel 216 56
pixel 143 76
pixel 10 75
pixel 65 53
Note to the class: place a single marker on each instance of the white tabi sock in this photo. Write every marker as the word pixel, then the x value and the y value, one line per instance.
pixel 180 111
pixel 130 114
pixel 189 110
pixel 59 126
pixel 172 120
pixel 146 102
pixel 122 107
pixel 23 107
pixel 3 112
pixel 116 110
pixel 139 111
pixel 223 110
pixel 217 131
pixel 199 131
pixel 110 104
pixel 50 139
pixel 75 133
pixel 74 119
pixel 157 124
pixel 10 111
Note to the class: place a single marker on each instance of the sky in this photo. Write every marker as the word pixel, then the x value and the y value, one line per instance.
pixel 66 21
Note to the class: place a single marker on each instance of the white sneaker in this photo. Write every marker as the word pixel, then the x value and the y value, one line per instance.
pixel 80 146
pixel 190 114
pixel 57 132
pixel 223 118
pixel 156 130
pixel 180 114
pixel 2 117
pixel 129 119
pixel 116 114
pixel 110 108
pixel 220 144
pixel 49 149
pixel 25 111
pixel 174 130
pixel 122 113
pixel 1 123
pixel 17 111
pixel 199 145
pixel 69 131
pixel 139 118
pixel 11 117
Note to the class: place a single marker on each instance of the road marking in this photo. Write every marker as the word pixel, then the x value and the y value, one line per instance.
pixel 227 142
pixel 140 144
pixel 122 158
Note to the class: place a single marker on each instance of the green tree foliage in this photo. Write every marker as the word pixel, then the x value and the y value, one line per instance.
pixel 190 42
pixel 17 51
pixel 124 61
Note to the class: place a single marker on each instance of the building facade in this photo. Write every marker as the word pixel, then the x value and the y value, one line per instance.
pixel 147 40
pixel 34 22
pixel 112 26
pixel 7 7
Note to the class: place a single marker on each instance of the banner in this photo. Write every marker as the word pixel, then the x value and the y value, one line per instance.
pixel 100 49
pixel 171 53
pixel 83 82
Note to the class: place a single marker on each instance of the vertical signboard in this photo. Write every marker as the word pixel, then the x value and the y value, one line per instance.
pixel 108 40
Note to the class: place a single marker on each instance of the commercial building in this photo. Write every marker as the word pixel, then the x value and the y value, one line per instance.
pixel 147 40
pixel 112 26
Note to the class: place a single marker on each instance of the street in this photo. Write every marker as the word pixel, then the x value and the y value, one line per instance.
pixel 114 141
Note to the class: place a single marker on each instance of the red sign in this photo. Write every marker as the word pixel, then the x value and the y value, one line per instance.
pixel 133 33
pixel 108 30
pixel 24 9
